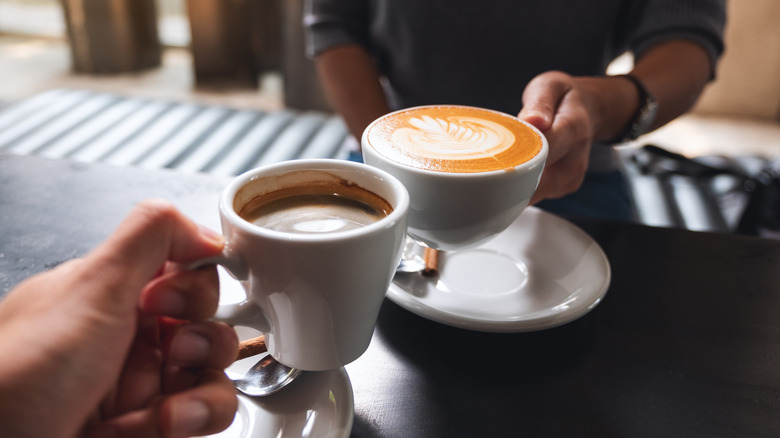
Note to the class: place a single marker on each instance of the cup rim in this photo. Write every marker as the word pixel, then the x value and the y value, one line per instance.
pixel 539 159
pixel 229 192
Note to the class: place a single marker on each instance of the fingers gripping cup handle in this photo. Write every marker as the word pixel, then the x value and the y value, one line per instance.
pixel 245 312
pixel 229 259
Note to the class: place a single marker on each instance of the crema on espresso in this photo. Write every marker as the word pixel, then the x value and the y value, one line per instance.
pixel 459 139
pixel 316 209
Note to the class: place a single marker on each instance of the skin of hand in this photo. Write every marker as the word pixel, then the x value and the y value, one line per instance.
pixel 555 103
pixel 573 112
pixel 117 344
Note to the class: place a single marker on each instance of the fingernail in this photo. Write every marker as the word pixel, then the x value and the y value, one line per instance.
pixel 211 234
pixel 189 417
pixel 190 347
pixel 535 117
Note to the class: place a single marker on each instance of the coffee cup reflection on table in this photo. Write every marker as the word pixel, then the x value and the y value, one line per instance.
pixel 315 244
pixel 470 171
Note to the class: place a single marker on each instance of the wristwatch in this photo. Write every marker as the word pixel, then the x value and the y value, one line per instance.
pixel 645 115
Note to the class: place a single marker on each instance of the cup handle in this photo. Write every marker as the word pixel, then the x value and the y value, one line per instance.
pixel 245 312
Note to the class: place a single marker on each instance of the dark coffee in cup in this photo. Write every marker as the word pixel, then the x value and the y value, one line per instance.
pixel 324 207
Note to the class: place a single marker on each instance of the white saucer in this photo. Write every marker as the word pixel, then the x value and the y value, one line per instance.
pixel 316 404
pixel 540 273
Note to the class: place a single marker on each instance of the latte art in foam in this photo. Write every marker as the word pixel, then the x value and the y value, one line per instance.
pixel 454 137
pixel 459 139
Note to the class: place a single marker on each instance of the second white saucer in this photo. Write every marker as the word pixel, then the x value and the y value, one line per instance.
pixel 541 272
pixel 315 404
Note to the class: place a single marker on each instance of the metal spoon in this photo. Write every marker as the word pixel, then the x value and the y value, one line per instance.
pixel 417 259
pixel 411 265
pixel 411 260
pixel 267 376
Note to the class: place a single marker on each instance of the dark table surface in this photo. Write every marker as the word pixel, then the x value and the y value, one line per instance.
pixel 686 342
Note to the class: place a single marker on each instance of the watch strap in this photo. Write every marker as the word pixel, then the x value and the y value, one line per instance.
pixel 645 114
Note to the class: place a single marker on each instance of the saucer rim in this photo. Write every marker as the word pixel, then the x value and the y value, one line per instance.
pixel 400 297
pixel 344 423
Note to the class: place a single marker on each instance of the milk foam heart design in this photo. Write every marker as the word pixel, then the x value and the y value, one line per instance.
pixel 454 137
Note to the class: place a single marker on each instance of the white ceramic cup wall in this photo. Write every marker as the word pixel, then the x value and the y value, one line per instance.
pixel 451 211
pixel 316 297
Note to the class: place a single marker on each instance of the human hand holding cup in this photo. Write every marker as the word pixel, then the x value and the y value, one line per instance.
pixel 315 244
pixel 470 172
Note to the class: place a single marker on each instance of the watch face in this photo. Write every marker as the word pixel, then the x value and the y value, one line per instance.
pixel 645 117
pixel 647 111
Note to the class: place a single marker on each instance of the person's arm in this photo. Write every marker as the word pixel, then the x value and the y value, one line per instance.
pixel 351 82
pixel 674 72
pixel 574 112
pixel 119 343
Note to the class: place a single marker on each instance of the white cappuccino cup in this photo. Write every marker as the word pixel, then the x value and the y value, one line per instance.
pixel 469 171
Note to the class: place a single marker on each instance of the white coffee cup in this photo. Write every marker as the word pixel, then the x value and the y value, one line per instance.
pixel 461 206
pixel 315 297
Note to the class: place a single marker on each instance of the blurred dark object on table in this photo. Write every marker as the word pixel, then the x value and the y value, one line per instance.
pixel 738 194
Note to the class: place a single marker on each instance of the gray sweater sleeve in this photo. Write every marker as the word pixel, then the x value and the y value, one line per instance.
pixel 700 21
pixel 331 23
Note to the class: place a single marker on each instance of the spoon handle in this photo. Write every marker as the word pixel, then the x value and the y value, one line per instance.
pixel 431 257
pixel 251 347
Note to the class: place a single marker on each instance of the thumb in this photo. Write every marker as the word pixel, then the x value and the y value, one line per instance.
pixel 541 99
